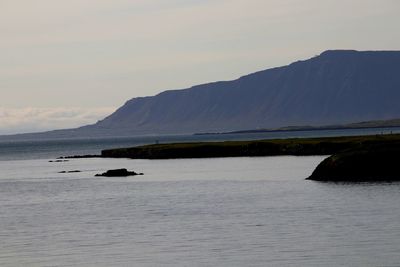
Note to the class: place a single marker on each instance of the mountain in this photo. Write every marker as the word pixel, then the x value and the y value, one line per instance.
pixel 336 87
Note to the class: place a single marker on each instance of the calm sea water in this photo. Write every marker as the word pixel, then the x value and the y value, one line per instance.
pixel 191 212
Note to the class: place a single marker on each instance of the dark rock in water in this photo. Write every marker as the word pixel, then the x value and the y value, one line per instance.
pixel 80 157
pixel 74 171
pixel 118 173
pixel 368 163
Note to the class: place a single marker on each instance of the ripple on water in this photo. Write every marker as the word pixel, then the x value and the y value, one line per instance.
pixel 237 212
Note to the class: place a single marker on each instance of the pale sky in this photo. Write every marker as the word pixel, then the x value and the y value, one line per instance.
pixel 64 63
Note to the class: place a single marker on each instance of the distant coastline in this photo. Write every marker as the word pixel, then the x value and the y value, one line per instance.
pixel 352 126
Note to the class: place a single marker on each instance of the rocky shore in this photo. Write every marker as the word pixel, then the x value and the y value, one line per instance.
pixel 366 163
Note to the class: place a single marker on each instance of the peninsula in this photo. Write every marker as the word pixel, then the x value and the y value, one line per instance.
pixel 274 147
pixel 371 158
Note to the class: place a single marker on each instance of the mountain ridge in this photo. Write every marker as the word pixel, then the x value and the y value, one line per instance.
pixel 234 105
pixel 335 87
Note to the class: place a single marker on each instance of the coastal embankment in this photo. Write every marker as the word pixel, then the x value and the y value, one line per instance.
pixel 275 147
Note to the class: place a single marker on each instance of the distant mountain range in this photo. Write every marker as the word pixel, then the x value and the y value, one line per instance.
pixel 336 87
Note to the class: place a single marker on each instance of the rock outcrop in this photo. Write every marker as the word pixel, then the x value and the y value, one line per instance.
pixel 367 163
pixel 118 173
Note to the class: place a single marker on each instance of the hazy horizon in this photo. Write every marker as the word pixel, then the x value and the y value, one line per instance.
pixel 66 64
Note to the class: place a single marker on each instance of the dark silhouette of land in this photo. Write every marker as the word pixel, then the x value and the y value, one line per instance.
pixel 394 123
pixel 275 147
pixel 118 173
pixel 370 162
pixel 354 159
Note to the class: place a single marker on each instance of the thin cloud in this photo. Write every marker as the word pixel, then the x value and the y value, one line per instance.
pixel 23 120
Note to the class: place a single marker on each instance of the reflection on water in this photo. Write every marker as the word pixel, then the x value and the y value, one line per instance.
pixel 193 212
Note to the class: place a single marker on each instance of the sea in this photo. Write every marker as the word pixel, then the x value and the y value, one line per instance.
pixel 242 211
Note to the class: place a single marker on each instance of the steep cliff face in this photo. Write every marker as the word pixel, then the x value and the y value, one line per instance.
pixel 339 86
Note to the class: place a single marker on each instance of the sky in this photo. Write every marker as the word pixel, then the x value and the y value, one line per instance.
pixel 66 63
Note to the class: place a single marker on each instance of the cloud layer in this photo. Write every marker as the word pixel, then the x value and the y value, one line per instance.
pixel 23 120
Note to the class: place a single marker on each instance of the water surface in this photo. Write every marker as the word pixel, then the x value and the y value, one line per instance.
pixel 193 212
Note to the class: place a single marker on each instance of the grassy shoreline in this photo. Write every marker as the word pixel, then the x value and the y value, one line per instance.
pixel 273 147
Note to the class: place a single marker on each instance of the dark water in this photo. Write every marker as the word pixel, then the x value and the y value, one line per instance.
pixel 14 150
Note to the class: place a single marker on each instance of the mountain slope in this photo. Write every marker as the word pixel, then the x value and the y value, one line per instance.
pixel 339 86
pixel 334 88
